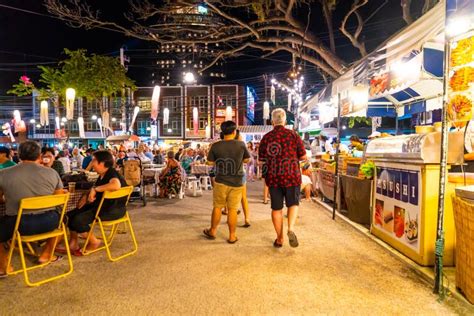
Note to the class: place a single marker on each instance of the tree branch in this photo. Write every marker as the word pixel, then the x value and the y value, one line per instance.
pixel 406 4
pixel 360 24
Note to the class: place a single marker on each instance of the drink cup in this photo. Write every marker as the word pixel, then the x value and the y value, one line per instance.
pixel 72 187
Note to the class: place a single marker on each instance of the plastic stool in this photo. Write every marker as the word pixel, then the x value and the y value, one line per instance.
pixel 206 183
pixel 195 187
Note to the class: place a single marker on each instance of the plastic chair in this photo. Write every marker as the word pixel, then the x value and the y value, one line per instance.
pixel 108 239
pixel 35 204
pixel 206 183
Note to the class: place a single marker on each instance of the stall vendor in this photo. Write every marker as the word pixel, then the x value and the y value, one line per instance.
pixel 356 143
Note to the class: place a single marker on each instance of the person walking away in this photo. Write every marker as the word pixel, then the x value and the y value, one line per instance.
pixel 25 180
pixel 228 156
pixel 5 160
pixel 281 150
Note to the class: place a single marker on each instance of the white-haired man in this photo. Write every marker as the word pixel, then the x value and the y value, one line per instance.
pixel 281 150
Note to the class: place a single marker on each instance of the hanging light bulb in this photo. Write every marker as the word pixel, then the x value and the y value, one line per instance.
pixel 166 116
pixel 44 115
pixel 266 110
pixel 70 96
pixel 228 113
pixel 154 103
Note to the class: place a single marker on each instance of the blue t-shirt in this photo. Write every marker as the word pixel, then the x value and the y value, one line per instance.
pixel 87 160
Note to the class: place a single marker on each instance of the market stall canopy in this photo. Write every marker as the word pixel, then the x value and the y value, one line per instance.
pixel 257 129
pixel 122 138
pixel 404 74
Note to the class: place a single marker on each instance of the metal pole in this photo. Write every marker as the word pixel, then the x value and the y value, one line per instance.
pixel 439 247
pixel 336 176
pixel 396 124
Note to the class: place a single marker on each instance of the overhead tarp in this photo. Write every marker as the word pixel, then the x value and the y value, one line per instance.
pixel 418 49
pixel 412 37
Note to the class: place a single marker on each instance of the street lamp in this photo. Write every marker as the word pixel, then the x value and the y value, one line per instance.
pixel 70 96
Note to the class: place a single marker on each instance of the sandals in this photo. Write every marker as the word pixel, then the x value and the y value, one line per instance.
pixel 58 258
pixel 293 240
pixel 207 234
pixel 276 244
pixel 246 225
pixel 233 241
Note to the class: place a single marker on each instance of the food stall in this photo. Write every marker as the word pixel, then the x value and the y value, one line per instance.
pixel 405 197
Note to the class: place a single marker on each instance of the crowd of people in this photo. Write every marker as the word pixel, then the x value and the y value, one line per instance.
pixel 234 163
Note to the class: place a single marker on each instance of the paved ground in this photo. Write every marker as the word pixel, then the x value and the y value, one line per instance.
pixel 334 271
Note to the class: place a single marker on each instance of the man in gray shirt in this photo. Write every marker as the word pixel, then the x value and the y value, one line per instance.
pixel 28 179
pixel 228 156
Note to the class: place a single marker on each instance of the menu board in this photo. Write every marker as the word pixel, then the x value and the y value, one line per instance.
pixel 397 210
pixel 461 80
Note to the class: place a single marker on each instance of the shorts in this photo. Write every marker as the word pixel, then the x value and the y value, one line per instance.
pixel 291 195
pixel 227 196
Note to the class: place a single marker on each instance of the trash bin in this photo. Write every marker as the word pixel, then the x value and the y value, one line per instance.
pixel 463 206
pixel 357 196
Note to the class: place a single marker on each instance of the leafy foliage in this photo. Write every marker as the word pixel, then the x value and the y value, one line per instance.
pixel 368 169
pixel 93 77
pixel 359 120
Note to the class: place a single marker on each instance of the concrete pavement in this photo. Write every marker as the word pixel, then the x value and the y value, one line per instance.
pixel 336 270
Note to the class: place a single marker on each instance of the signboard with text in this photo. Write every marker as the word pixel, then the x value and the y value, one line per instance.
pixel 397 211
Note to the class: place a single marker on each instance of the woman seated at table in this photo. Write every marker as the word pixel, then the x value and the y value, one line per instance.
pixel 80 218
pixel 170 178
pixel 48 160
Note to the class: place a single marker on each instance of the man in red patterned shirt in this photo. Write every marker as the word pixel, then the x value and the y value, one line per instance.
pixel 281 150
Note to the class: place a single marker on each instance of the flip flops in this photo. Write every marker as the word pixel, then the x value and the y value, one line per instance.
pixel 233 241
pixel 207 234
pixel 276 244
pixel 293 240
pixel 246 225
pixel 58 258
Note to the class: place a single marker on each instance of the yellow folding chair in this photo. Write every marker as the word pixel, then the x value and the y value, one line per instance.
pixel 107 239
pixel 34 204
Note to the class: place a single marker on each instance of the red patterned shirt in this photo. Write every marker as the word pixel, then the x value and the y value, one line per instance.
pixel 281 151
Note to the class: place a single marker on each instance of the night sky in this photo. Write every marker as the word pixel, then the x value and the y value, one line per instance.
pixel 29 39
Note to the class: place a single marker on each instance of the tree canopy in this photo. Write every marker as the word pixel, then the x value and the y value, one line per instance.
pixel 92 77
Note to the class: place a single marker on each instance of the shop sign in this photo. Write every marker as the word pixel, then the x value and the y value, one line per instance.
pixel 397 210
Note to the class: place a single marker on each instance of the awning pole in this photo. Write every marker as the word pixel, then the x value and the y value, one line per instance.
pixel 396 124
pixel 336 201
pixel 439 246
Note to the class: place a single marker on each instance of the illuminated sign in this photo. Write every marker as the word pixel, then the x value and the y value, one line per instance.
pixel 251 100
